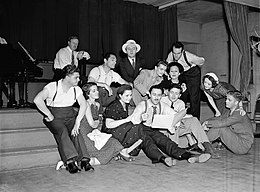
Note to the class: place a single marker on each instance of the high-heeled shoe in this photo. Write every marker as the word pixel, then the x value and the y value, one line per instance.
pixel 125 158
pixel 72 167
pixel 86 165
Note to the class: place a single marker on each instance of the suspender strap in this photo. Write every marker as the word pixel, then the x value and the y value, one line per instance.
pixel 55 93
pixel 185 58
pixel 145 103
pixel 75 95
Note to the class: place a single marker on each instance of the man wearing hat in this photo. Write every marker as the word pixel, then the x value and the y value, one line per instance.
pixel 130 66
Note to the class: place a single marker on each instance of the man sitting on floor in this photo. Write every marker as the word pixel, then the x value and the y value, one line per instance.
pixel 189 126
pixel 145 112
pixel 234 130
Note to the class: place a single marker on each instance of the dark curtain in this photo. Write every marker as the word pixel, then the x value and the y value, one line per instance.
pixel 107 25
pixel 169 30
pixel 237 17
pixel 43 26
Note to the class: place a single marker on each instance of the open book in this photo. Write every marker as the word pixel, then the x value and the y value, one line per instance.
pixel 162 121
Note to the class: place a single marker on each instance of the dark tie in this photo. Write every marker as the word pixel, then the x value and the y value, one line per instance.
pixel 133 63
pixel 154 111
pixel 72 58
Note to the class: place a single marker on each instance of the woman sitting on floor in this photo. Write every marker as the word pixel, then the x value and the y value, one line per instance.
pixel 101 147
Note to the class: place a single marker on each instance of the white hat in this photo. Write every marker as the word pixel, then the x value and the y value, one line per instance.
pixel 131 42
pixel 214 76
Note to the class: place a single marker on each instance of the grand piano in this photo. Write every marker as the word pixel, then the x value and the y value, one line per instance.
pixel 16 66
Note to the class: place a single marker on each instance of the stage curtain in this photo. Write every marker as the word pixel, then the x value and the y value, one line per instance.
pixel 237 17
pixel 169 30
pixel 43 26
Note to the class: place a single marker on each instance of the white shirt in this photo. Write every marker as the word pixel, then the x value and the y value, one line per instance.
pixel 193 60
pixel 64 58
pixel 178 105
pixel 62 99
pixel 140 109
pixel 100 76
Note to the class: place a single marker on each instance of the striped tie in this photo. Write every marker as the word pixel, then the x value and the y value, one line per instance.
pixel 72 58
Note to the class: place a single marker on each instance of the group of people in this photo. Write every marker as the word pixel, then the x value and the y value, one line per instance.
pixel 101 129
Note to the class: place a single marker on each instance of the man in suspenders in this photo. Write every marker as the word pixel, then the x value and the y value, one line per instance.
pixel 144 113
pixel 55 103
pixel 191 75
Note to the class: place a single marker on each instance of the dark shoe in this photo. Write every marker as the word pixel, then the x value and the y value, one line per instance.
pixel 202 158
pixel 122 157
pixel 72 167
pixel 209 149
pixel 194 147
pixel 86 165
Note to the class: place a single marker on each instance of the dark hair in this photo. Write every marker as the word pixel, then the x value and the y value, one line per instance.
pixel 178 45
pixel 161 63
pixel 86 89
pixel 213 81
pixel 175 85
pixel 122 89
pixel 236 94
pixel 180 67
pixel 72 37
pixel 155 87
pixel 69 70
pixel 108 54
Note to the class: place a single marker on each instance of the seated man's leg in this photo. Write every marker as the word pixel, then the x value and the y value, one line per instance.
pixel 233 141
pixel 165 144
pixel 65 145
pixel 78 141
pixel 196 129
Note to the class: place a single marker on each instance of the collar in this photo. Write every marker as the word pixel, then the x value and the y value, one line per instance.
pixel 69 49
pixel 150 104
pixel 131 59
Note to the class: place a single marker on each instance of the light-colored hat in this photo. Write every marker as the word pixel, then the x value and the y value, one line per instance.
pixel 214 76
pixel 131 42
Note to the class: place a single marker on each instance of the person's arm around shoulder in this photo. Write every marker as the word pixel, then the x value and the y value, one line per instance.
pixel 39 101
pixel 194 59
pixel 82 109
